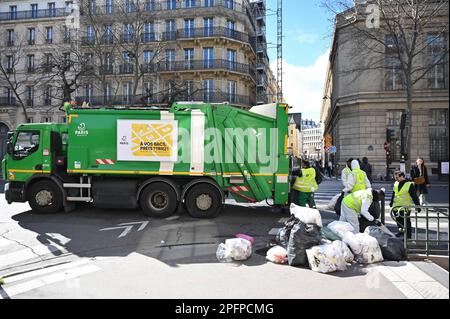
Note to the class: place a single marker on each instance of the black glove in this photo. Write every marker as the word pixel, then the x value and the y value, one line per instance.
pixel 378 223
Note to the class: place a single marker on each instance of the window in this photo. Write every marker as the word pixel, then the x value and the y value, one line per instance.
pixel 31 36
pixel 88 92
pixel 188 59
pixel 148 56
pixel 169 90
pixel 439 135
pixel 48 96
pixel 128 33
pixel 229 4
pixel 127 92
pixel 30 120
pixel 170 30
pixel 170 59
pixel 208 27
pixel 51 9
pixel 149 31
pixel 231 91
pixel 30 63
pixel 208 58
pixel 208 90
pixel 394 76
pixel 66 34
pixel 189 90
pixel 27 143
pixel 436 59
pixel 49 34
pixel 30 96
pixel 11 37
pixel 190 3
pixel 127 66
pixel 9 64
pixel 230 28
pixel 209 3
pixel 108 34
pixel 91 7
pixel 46 119
pixel 171 4
pixel 34 10
pixel 393 119
pixel 231 57
pixel 12 12
pixel 108 6
pixel 107 93
pixel 150 5
pixel 189 28
pixel 147 91
pixel 129 6
pixel 69 6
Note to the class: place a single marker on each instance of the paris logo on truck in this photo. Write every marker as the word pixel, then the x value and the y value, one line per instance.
pixel 151 141
pixel 81 130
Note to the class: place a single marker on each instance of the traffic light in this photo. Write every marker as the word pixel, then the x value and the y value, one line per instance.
pixel 390 135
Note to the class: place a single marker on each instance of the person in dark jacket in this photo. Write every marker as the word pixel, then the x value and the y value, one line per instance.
pixel 367 168
pixel 404 195
pixel 420 171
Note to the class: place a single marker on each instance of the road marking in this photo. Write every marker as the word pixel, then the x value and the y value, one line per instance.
pixel 173 218
pixel 127 228
pixel 31 253
pixel 37 283
pixel 40 272
pixel 412 281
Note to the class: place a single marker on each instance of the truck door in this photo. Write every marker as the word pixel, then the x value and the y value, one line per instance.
pixel 27 157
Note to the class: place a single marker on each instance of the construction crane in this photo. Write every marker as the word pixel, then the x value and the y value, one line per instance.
pixel 280 50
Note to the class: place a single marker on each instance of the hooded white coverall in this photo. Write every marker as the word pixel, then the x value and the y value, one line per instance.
pixel 351 180
pixel 350 216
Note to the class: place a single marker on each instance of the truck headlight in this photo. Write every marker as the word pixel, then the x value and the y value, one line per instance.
pixel 6 187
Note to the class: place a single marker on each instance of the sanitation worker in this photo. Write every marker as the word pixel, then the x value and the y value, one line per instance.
pixel 344 177
pixel 357 179
pixel 306 185
pixel 356 205
pixel 403 197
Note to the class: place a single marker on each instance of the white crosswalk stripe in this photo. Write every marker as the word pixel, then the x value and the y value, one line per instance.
pixel 27 254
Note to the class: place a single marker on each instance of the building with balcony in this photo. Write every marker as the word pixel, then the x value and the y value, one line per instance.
pixel 155 52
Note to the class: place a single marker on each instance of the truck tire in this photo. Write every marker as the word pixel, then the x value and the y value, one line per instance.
pixel 158 200
pixel 45 197
pixel 203 201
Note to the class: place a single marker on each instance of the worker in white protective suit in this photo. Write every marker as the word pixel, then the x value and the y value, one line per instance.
pixel 344 177
pixel 357 180
pixel 356 205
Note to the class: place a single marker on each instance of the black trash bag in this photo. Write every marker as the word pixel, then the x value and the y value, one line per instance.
pixel 337 207
pixel 303 237
pixel 392 248
pixel 282 238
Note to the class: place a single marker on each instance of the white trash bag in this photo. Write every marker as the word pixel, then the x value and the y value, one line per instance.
pixel 277 255
pixel 341 228
pixel 365 247
pixel 344 250
pixel 326 259
pixel 238 249
pixel 307 215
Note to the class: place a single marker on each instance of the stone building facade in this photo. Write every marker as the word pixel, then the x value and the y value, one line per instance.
pixel 362 110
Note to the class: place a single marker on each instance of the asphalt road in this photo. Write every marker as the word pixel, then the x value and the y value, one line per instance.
pixel 99 253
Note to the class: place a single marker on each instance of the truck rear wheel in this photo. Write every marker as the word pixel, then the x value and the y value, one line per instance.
pixel 159 200
pixel 45 197
pixel 203 201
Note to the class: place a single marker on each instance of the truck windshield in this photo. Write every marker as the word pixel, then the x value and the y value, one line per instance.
pixel 27 143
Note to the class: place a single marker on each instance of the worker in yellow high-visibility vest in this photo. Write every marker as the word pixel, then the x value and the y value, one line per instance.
pixel 356 205
pixel 344 177
pixel 357 180
pixel 403 197
pixel 306 185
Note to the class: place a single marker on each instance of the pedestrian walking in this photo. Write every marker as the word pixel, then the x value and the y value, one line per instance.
pixel 403 197
pixel 419 175
pixel 306 185
pixel 367 168
pixel 330 169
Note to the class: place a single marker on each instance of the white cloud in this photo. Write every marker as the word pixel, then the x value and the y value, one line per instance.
pixel 305 37
pixel 303 86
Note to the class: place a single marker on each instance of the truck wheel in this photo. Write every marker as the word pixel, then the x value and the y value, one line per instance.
pixel 45 197
pixel 159 200
pixel 203 201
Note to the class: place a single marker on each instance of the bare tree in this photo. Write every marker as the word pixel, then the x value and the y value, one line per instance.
pixel 12 62
pixel 407 35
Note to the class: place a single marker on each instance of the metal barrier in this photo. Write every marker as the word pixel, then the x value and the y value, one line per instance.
pixel 429 229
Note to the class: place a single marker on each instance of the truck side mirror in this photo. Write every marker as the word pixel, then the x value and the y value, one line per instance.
pixel 9 148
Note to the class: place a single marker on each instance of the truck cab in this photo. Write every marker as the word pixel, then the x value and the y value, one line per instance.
pixel 34 152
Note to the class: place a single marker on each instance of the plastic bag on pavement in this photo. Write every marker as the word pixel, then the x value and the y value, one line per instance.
pixel 237 249
pixel 340 228
pixel 364 247
pixel 282 238
pixel 247 237
pixel 392 248
pixel 326 259
pixel 277 255
pixel 329 234
pixel 306 215
pixel 303 236
pixel 344 250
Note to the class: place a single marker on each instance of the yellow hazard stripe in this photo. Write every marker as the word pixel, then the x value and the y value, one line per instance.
pixel 27 171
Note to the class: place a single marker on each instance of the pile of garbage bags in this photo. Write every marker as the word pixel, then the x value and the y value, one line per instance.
pixel 235 249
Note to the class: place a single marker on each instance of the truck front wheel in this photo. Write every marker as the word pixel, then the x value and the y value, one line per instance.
pixel 203 201
pixel 45 197
pixel 159 200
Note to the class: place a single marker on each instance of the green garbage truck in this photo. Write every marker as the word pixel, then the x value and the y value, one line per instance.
pixel 191 154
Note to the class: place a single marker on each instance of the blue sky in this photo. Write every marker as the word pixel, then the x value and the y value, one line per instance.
pixel 306 45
